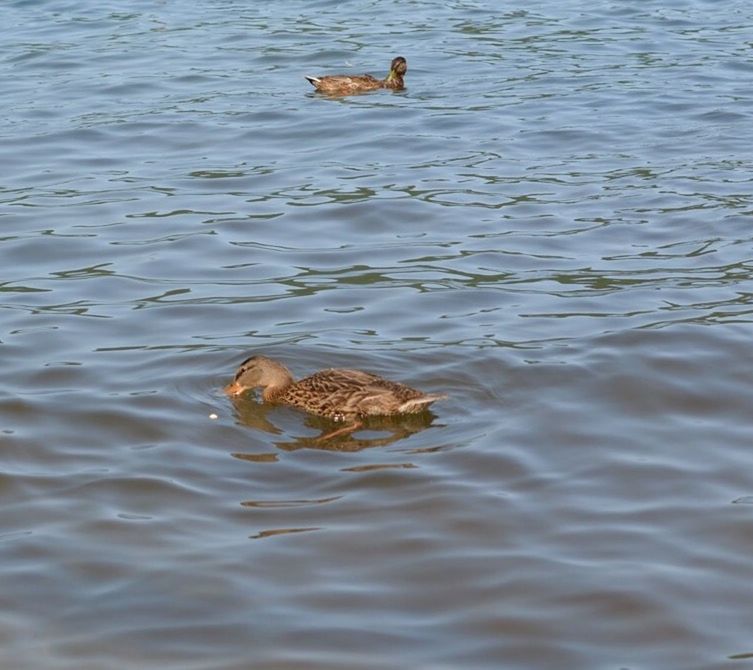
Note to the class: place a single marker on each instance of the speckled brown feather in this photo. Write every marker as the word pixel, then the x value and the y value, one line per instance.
pixel 337 394
pixel 343 84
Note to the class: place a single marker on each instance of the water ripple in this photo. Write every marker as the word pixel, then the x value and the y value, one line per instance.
pixel 551 224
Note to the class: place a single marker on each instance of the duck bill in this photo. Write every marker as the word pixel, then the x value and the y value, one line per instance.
pixel 234 389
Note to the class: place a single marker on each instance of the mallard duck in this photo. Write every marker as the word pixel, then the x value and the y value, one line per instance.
pixel 337 394
pixel 345 84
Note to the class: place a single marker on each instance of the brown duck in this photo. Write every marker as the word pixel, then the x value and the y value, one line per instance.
pixel 344 84
pixel 338 394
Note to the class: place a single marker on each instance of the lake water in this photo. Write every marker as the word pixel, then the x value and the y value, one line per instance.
pixel 553 224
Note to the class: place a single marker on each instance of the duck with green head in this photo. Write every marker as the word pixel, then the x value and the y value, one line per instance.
pixel 345 84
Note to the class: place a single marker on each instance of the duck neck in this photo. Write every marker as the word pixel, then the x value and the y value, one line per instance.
pixel 277 387
pixel 393 80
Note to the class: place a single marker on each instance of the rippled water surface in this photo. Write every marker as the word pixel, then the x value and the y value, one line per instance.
pixel 552 224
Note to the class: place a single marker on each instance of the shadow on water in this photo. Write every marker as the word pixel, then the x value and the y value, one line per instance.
pixel 258 416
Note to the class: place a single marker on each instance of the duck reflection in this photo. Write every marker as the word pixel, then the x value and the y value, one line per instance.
pixel 259 416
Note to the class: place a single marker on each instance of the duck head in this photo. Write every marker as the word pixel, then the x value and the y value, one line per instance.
pixel 259 372
pixel 398 68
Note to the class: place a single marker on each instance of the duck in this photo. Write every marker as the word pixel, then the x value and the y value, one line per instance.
pixel 345 84
pixel 339 394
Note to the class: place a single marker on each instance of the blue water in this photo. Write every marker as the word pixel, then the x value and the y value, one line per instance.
pixel 552 224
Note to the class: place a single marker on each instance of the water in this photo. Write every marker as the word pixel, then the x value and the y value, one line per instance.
pixel 552 224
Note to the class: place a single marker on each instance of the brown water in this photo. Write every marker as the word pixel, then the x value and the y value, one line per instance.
pixel 552 224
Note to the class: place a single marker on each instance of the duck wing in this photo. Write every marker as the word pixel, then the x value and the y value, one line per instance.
pixel 332 393
pixel 341 394
pixel 342 84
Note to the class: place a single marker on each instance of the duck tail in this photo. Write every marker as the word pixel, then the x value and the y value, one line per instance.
pixel 314 81
pixel 419 404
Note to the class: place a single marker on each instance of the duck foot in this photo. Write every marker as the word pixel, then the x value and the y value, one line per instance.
pixel 345 430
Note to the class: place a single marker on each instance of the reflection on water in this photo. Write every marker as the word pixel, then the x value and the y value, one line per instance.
pixel 259 416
